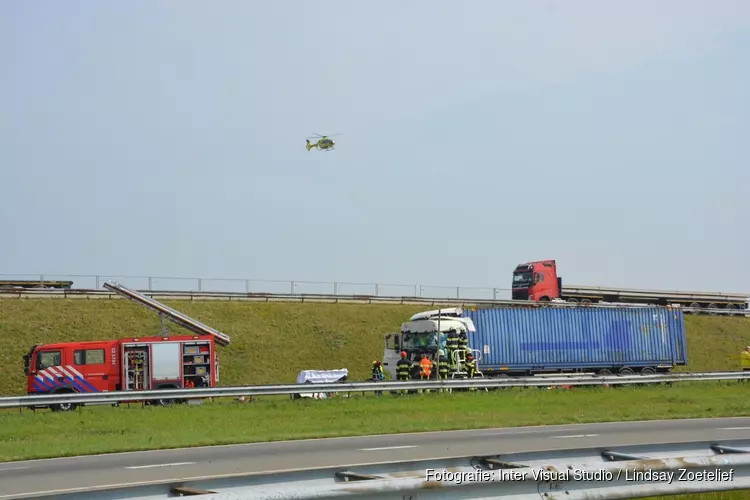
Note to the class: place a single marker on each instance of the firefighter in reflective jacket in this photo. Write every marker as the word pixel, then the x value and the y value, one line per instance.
pixel 403 368
pixel 451 345
pixel 463 342
pixel 377 374
pixel 471 368
pixel 443 367
pixel 425 369
pixel 745 360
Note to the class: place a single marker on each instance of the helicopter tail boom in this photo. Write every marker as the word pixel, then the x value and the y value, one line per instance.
pixel 309 145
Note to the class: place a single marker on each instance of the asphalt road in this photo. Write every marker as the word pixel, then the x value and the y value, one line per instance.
pixel 64 474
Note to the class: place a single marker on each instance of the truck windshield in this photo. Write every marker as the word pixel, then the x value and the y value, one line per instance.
pixel 419 340
pixel 522 279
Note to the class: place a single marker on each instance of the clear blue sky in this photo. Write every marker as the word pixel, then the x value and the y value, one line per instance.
pixel 167 138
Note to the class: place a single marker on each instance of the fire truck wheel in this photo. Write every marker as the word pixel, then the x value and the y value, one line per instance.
pixel 64 407
pixel 165 401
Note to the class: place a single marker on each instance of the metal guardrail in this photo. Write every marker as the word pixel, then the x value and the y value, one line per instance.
pixel 576 474
pixel 340 387
pixel 361 299
pixel 336 288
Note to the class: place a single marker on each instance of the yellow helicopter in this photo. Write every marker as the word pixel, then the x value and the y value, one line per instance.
pixel 323 143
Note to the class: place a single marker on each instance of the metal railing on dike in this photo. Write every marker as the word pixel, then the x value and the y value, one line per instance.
pixel 271 287
pixel 360 299
pixel 346 387
pixel 620 472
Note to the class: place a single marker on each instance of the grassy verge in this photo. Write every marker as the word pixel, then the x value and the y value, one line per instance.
pixel 272 342
pixel 105 429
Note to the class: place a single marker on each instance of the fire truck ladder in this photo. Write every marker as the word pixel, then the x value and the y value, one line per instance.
pixel 177 317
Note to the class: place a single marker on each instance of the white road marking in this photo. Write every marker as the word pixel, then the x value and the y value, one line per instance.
pixel 388 448
pixel 13 468
pixel 159 465
pixel 734 428
pixel 575 436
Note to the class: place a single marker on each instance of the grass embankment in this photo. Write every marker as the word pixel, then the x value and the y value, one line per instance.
pixel 272 342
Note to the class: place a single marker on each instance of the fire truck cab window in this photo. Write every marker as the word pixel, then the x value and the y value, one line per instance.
pixel 88 357
pixel 45 359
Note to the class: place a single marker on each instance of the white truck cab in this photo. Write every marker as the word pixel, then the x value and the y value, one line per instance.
pixel 425 332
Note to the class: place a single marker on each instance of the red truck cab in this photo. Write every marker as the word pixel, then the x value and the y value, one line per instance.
pixel 536 281
pixel 73 367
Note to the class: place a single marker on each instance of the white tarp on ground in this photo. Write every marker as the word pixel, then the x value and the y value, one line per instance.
pixel 321 376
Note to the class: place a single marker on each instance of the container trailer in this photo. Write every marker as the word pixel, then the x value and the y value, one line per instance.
pixel 508 341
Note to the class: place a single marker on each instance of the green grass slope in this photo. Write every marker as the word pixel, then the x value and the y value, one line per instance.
pixel 272 342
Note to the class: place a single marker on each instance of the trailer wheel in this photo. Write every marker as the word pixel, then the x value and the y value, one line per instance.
pixel 625 372
pixel 604 372
pixel 646 371
pixel 503 376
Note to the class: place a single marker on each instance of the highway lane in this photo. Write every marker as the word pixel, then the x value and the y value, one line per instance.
pixel 59 475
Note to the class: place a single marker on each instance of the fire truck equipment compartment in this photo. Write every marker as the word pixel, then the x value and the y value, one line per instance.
pixel 166 361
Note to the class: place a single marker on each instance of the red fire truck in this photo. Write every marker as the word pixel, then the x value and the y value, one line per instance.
pixel 132 364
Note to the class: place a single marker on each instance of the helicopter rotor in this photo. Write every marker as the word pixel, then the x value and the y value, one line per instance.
pixel 318 136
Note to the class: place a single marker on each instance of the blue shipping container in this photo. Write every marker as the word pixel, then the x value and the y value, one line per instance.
pixel 551 339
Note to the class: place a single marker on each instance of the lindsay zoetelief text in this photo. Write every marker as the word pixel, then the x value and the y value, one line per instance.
pixel 629 475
